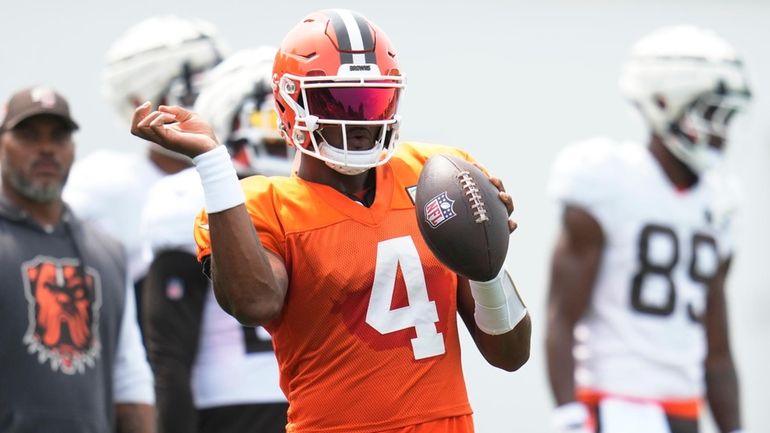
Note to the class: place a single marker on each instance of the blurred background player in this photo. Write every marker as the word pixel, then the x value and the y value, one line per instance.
pixel 211 373
pixel 362 315
pixel 637 322
pixel 72 358
pixel 161 59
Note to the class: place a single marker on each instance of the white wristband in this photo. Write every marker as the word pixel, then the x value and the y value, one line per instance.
pixel 499 307
pixel 221 187
pixel 570 417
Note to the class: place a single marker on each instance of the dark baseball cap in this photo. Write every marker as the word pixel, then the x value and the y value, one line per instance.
pixel 33 101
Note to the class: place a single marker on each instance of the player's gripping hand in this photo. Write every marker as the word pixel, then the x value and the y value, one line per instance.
pixel 504 196
pixel 174 128
pixel 506 199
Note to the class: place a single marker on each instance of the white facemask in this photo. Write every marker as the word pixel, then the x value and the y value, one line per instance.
pixel 699 157
pixel 707 117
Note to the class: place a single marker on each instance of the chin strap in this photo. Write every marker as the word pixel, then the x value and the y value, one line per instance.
pixel 698 156
pixel 367 158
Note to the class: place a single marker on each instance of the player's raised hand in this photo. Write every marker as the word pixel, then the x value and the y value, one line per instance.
pixel 174 128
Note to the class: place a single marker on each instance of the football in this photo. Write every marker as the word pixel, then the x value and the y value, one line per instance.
pixel 461 217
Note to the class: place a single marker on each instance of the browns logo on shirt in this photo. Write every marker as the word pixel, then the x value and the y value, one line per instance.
pixel 63 305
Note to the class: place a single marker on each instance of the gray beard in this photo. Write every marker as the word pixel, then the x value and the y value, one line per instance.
pixel 41 194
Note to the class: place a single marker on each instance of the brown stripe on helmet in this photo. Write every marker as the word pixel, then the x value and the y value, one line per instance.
pixel 343 39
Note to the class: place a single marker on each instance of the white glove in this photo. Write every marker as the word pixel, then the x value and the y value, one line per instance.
pixel 570 418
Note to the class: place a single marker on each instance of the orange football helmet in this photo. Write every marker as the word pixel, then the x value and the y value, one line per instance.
pixel 338 68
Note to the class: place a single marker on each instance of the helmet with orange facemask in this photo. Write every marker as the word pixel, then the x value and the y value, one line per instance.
pixel 338 69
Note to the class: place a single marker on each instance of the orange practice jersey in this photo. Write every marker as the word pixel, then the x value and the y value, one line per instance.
pixel 367 339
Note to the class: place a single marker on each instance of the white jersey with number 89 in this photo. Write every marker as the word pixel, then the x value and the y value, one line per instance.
pixel 642 334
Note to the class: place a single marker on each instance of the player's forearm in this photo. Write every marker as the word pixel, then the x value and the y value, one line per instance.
pixel 134 418
pixel 497 319
pixel 509 351
pixel 241 271
pixel 243 279
pixel 561 363
pixel 176 410
pixel 172 332
pixel 722 394
pixel 574 269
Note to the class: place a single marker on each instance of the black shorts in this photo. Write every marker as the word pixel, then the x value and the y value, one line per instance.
pixel 246 418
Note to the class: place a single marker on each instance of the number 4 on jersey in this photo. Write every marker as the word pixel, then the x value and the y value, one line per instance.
pixel 421 313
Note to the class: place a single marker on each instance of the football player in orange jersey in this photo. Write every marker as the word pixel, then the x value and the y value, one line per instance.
pixel 330 260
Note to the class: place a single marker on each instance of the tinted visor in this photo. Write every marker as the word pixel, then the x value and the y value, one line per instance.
pixel 353 103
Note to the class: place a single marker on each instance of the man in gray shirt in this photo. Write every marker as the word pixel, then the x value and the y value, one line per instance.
pixel 71 359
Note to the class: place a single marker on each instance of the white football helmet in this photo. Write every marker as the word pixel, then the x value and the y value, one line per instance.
pixel 236 99
pixel 687 82
pixel 160 60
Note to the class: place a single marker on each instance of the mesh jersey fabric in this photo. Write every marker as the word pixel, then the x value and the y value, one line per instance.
pixel 339 372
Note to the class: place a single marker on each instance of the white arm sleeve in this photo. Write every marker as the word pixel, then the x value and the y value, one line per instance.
pixel 132 379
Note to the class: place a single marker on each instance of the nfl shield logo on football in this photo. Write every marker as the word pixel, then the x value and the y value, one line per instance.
pixel 439 210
